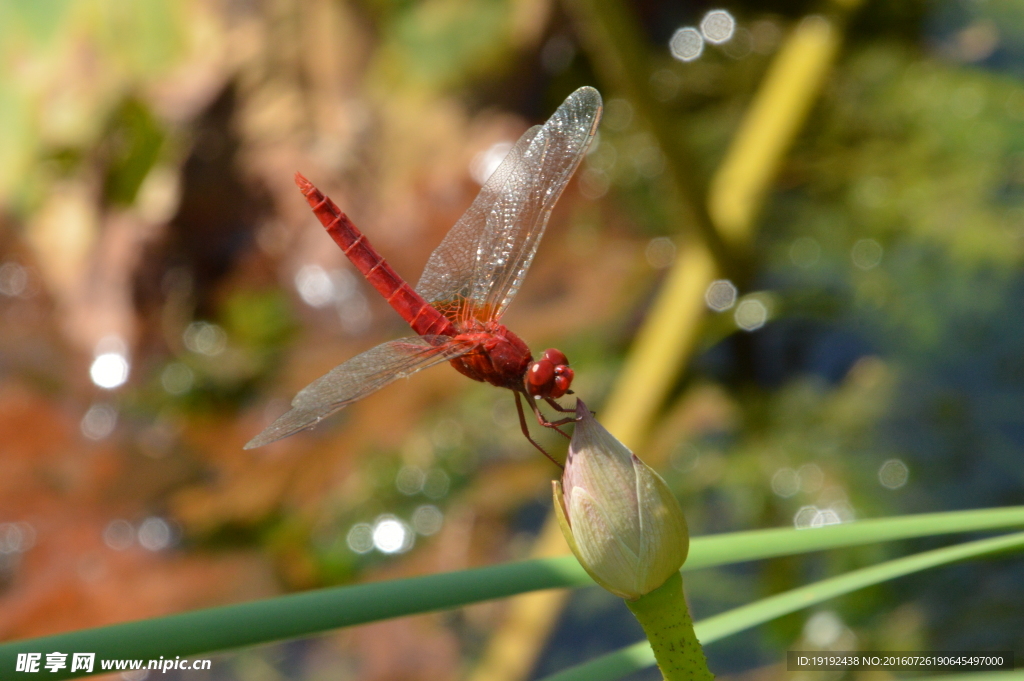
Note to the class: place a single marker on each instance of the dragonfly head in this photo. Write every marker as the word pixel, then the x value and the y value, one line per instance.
pixel 549 376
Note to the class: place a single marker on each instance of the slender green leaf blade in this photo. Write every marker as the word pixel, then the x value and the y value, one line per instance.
pixel 297 615
pixel 736 547
pixel 313 612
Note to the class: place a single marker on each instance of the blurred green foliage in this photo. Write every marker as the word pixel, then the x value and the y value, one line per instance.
pixel 131 146
pixel 440 43
pixel 52 107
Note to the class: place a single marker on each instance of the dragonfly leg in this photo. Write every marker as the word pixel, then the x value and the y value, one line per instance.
pixel 557 407
pixel 542 420
pixel 526 431
pixel 562 409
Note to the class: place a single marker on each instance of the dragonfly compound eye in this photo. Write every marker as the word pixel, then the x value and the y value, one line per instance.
pixel 554 356
pixel 539 377
pixel 563 379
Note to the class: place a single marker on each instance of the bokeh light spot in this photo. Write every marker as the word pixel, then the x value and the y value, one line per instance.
pixel 686 458
pixel 13 279
pixel 686 44
pixel 893 474
pixel 99 421
pixel 437 483
pixel 154 534
pixel 109 370
pixel 360 538
pixel 751 314
pixel 176 378
pixel 866 254
pixel 391 535
pixel 427 520
pixel 825 517
pixel 119 534
pixel 16 537
pixel 822 629
pixel 314 286
pixel 721 295
pixel 205 338
pixel 785 482
pixel 803 518
pixel 660 252
pixel 717 26
pixel 410 480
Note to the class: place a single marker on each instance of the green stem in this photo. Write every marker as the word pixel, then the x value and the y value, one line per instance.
pixel 665 617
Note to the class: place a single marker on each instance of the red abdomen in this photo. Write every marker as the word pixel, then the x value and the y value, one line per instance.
pixel 421 315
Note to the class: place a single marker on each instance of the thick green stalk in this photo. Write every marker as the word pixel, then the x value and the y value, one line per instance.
pixel 666 620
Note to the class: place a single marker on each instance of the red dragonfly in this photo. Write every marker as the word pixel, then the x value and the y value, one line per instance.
pixel 467 284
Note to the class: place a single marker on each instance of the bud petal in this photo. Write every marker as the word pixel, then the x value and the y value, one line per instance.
pixel 662 524
pixel 618 516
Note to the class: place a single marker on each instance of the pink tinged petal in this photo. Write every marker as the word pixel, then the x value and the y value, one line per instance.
pixel 622 521
pixel 603 466
pixel 664 538
pixel 563 523
pixel 612 564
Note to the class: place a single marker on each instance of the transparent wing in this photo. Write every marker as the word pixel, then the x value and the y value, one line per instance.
pixel 357 378
pixel 480 264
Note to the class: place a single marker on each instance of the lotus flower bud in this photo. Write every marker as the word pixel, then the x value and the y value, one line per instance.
pixel 618 515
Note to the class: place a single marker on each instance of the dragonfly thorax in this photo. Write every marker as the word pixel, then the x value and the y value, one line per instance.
pixel 499 357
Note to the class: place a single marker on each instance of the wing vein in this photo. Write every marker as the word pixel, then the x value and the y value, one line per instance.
pixel 360 376
pixel 484 258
